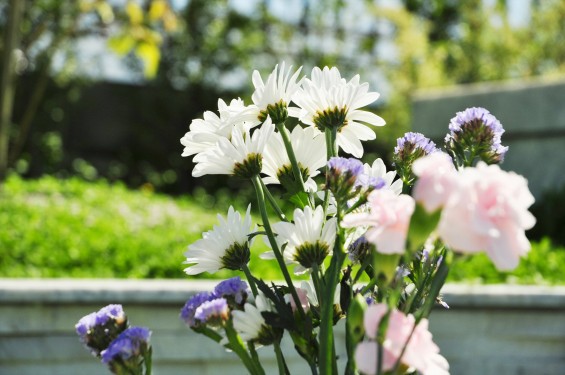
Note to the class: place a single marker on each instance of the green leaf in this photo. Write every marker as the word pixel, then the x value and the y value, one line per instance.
pixel 299 199
pixel 150 54
pixel 121 44
pixel 422 224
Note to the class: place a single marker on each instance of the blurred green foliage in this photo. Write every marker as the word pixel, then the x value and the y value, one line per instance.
pixel 544 264
pixel 211 46
pixel 75 228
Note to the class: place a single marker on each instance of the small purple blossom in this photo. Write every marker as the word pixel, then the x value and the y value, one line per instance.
pixel 96 330
pixel 233 288
pixel 409 148
pixel 350 166
pixel 86 323
pixel 130 343
pixel 342 178
pixel 212 312
pixel 402 271
pixel 468 116
pixel 359 250
pixel 189 309
pixel 411 142
pixel 372 182
pixel 477 130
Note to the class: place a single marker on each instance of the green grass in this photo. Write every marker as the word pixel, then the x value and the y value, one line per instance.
pixel 544 264
pixel 73 228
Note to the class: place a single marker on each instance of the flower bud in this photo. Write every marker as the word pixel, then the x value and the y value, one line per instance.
pixel 475 134
pixel 409 148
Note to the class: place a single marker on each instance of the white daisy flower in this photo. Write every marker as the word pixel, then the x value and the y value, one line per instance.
pixel 250 324
pixel 272 97
pixel 242 155
pixel 378 170
pixel 327 101
pixel 308 286
pixel 310 151
pixel 206 132
pixel 308 240
pixel 225 246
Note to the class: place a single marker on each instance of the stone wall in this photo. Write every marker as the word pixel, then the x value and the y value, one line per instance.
pixel 488 330
pixel 532 112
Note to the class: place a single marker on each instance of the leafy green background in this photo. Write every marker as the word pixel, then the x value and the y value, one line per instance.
pixel 74 228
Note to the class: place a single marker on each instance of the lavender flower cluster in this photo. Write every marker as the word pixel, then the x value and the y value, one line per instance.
pixel 475 132
pixel 213 307
pixel 474 135
pixel 107 335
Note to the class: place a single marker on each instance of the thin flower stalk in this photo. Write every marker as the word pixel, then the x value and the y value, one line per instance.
pixel 273 202
pixel 235 344
pixel 291 156
pixel 271 237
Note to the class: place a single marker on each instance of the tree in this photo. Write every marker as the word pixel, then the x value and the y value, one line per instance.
pixel 52 26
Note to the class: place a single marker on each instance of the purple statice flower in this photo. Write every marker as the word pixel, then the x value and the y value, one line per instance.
pixel 477 132
pixel 425 254
pixel 351 166
pixel 370 300
pixel 411 143
pixel 131 343
pixel 359 250
pixel 110 312
pixel 408 148
pixel 370 182
pixel 189 309
pixel 96 330
pixel 213 312
pixel 402 271
pixel 233 289
pixel 342 177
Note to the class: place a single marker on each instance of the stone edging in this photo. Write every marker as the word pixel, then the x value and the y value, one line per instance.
pixel 131 291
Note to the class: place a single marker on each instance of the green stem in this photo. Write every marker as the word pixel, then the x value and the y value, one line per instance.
pixel 270 235
pixel 327 360
pixel 379 358
pixel 283 369
pixel 370 285
pixel 273 202
pixel 317 283
pixel 254 356
pixel 148 361
pixel 237 346
pixel 210 333
pixel 331 147
pixel 250 279
pixel 435 288
pixel 313 368
pixel 291 156
pixel 359 273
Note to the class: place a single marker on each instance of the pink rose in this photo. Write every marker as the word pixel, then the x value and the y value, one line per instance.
pixel 436 179
pixel 421 352
pixel 489 212
pixel 388 220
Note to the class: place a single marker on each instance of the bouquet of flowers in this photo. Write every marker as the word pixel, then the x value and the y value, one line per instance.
pixel 376 249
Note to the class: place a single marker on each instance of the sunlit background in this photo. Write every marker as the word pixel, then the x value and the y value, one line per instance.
pixel 99 93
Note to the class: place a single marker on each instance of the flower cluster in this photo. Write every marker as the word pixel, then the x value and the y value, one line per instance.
pixel 213 308
pixel 475 133
pixel 375 249
pixel 107 335
pixel 401 242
